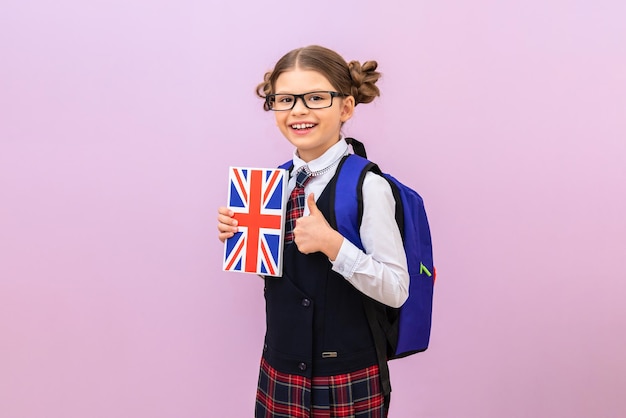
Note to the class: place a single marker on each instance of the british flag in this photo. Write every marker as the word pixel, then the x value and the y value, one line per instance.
pixel 257 197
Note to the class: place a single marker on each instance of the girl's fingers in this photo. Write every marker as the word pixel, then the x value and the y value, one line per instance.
pixel 226 224
pixel 225 235
pixel 223 210
pixel 225 227
pixel 227 220
pixel 225 216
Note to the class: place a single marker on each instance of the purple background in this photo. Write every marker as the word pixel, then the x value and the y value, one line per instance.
pixel 118 120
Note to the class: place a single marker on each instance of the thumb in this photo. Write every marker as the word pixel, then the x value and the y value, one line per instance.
pixel 310 201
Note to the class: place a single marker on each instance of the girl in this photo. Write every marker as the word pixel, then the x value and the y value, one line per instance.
pixel 319 357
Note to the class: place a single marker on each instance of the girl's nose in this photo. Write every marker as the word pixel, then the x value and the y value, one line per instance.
pixel 299 107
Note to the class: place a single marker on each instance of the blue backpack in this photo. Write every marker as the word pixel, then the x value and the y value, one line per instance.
pixel 398 332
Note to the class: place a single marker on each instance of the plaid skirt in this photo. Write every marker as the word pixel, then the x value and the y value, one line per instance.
pixel 350 395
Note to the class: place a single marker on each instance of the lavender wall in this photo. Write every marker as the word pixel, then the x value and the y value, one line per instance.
pixel 118 121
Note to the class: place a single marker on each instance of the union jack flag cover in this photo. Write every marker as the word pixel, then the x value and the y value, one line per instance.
pixel 257 197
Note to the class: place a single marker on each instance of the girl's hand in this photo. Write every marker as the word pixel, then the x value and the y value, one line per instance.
pixel 226 224
pixel 313 233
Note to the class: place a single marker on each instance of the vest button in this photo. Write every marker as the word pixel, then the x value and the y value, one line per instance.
pixel 306 302
pixel 264 347
pixel 302 366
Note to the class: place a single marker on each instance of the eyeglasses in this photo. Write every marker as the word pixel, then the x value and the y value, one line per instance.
pixel 312 100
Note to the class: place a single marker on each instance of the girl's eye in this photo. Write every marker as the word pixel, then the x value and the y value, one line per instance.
pixel 283 98
pixel 316 98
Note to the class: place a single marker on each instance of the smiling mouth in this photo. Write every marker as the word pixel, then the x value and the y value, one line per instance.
pixel 301 126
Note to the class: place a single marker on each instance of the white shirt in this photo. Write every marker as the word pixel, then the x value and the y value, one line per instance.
pixel 381 271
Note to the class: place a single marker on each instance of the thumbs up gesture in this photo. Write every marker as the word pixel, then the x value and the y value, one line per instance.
pixel 313 233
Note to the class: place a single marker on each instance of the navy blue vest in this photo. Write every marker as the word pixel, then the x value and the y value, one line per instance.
pixel 316 323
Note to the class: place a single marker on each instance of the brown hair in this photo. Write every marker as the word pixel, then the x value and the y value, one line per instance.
pixel 353 78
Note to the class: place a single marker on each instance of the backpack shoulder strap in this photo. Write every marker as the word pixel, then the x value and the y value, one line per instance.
pixel 357 147
pixel 347 203
pixel 347 196
pixel 287 165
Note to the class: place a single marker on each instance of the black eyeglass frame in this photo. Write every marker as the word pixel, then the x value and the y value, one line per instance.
pixel 270 98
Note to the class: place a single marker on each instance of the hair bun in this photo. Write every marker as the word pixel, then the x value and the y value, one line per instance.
pixel 364 78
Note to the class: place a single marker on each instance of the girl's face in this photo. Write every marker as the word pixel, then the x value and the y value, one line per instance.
pixel 311 131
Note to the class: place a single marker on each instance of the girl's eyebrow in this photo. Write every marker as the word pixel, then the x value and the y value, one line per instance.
pixel 304 92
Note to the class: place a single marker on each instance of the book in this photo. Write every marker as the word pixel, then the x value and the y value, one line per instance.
pixel 257 197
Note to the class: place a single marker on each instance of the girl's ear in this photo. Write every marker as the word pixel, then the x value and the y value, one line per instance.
pixel 347 108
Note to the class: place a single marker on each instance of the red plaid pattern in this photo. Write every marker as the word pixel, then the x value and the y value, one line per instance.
pixel 281 394
pixel 349 395
pixel 295 205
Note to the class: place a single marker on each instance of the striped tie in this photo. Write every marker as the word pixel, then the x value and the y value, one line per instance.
pixel 295 206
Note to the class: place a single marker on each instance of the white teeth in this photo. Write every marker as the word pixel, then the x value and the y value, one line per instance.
pixel 302 125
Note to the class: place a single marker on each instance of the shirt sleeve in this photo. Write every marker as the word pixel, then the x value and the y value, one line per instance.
pixel 381 270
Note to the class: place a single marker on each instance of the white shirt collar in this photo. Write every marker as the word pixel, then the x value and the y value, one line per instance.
pixel 331 156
